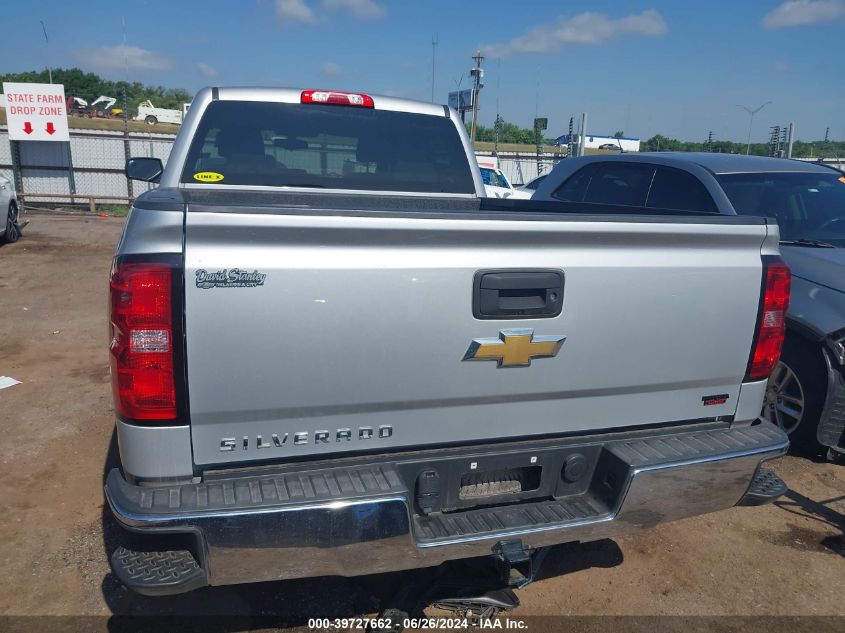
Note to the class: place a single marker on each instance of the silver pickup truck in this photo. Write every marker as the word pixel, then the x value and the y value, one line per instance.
pixel 332 355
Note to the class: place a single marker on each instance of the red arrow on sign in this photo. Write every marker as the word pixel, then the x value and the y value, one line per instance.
pixel 50 128
pixel 27 127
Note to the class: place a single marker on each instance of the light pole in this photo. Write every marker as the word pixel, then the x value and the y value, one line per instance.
pixel 751 122
pixel 47 44
pixel 434 43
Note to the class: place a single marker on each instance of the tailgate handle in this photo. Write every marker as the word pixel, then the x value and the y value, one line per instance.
pixel 517 294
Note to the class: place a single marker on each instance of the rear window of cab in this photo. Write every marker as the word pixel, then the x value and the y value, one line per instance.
pixel 327 147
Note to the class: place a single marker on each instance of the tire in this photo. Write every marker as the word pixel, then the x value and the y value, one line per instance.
pixel 13 231
pixel 795 395
pixel 150 120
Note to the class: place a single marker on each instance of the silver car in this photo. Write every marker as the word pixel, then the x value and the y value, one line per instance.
pixel 806 392
pixel 10 230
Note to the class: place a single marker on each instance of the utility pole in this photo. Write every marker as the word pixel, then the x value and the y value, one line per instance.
pixel 751 122
pixel 498 126
pixel 571 143
pixel 710 141
pixel 433 56
pixel 582 140
pixel 827 134
pixel 477 73
pixel 540 124
pixel 47 42
pixel 126 145
pixel 790 139
pixel 499 119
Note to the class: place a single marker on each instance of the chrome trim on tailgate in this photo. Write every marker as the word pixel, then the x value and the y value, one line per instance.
pixel 360 520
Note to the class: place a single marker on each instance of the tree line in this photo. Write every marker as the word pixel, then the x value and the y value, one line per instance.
pixel 820 149
pixel 512 133
pixel 89 86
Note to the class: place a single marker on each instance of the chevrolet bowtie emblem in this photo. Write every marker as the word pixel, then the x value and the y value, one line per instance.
pixel 514 348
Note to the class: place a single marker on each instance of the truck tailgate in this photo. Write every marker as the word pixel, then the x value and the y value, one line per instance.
pixel 354 338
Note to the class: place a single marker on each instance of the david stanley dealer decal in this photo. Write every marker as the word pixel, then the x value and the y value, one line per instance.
pixel 229 278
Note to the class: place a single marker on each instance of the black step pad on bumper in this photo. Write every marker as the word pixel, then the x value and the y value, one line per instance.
pixel 765 488
pixel 484 521
pixel 158 573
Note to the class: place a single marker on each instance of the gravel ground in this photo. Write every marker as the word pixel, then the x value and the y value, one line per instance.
pixel 57 430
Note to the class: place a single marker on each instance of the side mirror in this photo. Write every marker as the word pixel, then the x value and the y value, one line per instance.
pixel 146 169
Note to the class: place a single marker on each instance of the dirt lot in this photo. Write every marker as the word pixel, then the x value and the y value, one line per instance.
pixel 782 559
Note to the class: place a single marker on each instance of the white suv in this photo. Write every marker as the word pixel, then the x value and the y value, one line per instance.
pixel 10 231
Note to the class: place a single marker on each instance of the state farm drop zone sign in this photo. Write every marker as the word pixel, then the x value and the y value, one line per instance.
pixel 28 107
pixel 36 112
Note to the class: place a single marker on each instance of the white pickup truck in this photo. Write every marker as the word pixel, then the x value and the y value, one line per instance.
pixel 151 115
pixel 332 354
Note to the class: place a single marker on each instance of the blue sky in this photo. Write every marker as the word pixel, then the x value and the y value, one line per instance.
pixel 643 66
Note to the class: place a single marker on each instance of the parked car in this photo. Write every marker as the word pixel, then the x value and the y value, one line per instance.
pixel 496 185
pixel 531 185
pixel 806 392
pixel 10 230
pixel 610 146
pixel 388 369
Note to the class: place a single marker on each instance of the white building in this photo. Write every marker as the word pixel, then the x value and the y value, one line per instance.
pixel 596 141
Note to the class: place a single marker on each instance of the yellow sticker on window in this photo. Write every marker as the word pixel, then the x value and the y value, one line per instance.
pixel 208 176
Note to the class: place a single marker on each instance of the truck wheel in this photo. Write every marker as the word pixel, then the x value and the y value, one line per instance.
pixel 151 120
pixel 13 231
pixel 795 395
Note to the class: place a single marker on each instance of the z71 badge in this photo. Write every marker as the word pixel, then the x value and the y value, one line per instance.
pixel 226 278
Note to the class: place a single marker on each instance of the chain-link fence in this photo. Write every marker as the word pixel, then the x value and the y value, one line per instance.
pixel 87 169
pixel 520 169
pixel 90 167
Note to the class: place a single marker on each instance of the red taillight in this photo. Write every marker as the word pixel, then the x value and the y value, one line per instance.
pixel 771 326
pixel 334 97
pixel 142 345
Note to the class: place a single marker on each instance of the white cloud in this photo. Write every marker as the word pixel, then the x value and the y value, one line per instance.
pixel 206 70
pixel 804 12
pixel 120 57
pixel 294 11
pixel 331 69
pixel 365 9
pixel 584 28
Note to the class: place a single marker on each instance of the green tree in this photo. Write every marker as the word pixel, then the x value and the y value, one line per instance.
pixel 89 86
pixel 508 133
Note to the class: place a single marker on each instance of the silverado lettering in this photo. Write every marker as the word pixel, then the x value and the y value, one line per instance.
pixel 301 437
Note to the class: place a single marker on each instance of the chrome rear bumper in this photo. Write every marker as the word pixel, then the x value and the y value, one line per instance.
pixel 361 519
